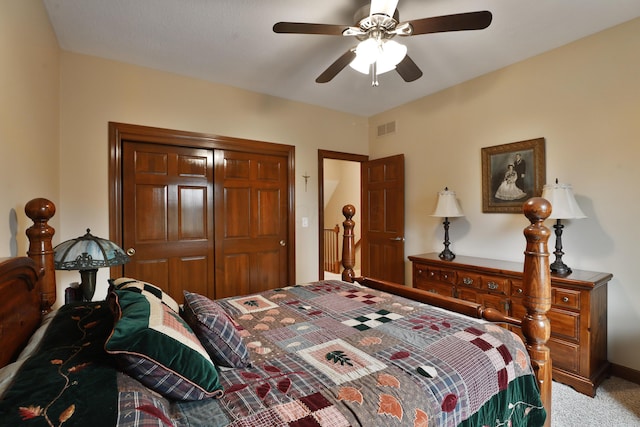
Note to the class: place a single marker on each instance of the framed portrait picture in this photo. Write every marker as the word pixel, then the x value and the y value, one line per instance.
pixel 511 174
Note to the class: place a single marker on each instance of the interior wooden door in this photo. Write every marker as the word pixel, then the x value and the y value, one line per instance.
pixel 250 222
pixel 383 218
pixel 168 216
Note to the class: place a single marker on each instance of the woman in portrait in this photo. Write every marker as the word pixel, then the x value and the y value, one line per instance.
pixel 508 189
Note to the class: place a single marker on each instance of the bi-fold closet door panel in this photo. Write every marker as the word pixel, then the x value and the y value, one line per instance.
pixel 168 216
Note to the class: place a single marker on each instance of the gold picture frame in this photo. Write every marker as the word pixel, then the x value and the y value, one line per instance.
pixel 511 174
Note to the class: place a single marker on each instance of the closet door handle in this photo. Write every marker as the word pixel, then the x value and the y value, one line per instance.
pixel 283 243
pixel 397 239
pixel 131 251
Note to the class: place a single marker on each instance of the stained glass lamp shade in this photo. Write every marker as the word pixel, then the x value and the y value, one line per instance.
pixel 87 254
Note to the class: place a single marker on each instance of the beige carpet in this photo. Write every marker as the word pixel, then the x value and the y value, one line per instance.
pixel 617 403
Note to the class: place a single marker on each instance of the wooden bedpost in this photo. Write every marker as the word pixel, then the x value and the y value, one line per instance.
pixel 537 288
pixel 40 248
pixel 348 244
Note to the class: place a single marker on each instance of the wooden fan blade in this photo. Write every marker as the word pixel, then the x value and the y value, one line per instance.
pixel 457 22
pixel 336 67
pixel 408 69
pixel 305 28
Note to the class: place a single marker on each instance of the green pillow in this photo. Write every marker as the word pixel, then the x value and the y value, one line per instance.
pixel 155 346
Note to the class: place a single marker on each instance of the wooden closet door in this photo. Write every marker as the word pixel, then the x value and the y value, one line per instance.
pixel 251 220
pixel 168 216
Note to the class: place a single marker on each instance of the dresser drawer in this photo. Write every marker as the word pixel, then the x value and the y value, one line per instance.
pixel 517 288
pixel 495 284
pixel 494 301
pixel 436 288
pixel 564 355
pixel 469 280
pixel 424 273
pixel 565 298
pixel 565 325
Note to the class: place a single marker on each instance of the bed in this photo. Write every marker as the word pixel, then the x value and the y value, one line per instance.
pixel 351 352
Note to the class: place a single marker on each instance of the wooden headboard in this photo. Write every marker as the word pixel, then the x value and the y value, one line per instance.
pixel 27 284
pixel 19 305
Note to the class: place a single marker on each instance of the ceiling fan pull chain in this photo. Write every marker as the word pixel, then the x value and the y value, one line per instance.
pixel 374 74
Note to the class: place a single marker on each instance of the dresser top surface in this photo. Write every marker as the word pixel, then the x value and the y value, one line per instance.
pixel 494 266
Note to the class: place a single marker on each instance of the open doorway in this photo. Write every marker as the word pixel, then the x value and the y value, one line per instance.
pixel 339 184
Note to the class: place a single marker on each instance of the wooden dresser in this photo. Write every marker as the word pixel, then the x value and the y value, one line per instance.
pixel 578 312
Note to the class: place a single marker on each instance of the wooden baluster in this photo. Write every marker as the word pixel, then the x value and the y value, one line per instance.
pixel 348 244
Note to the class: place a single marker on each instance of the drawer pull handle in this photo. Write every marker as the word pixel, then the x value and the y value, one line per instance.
pixel 565 299
pixel 445 276
pixel 431 273
pixel 492 285
pixel 433 291
pixel 467 281
pixel 520 290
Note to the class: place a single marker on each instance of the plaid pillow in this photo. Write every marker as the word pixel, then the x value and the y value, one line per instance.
pixel 155 346
pixel 146 289
pixel 216 331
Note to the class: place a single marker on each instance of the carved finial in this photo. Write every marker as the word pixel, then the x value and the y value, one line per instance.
pixel 348 211
pixel 40 249
pixel 40 209
pixel 537 209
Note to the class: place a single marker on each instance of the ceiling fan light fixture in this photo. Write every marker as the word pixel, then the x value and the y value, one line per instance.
pixel 386 56
pixel 360 65
pixel 392 53
pixel 368 51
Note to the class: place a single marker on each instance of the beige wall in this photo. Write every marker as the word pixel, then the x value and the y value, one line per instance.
pixel 29 136
pixel 583 98
pixel 95 91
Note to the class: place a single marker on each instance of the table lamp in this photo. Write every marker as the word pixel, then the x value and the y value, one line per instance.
pixel 88 253
pixel 563 206
pixel 446 208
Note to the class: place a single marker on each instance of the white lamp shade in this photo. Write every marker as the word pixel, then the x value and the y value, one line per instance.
pixel 563 202
pixel 447 206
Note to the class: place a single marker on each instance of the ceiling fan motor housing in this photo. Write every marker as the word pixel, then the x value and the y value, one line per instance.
pixel 366 21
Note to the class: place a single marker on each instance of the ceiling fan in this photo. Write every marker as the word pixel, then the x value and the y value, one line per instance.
pixel 376 26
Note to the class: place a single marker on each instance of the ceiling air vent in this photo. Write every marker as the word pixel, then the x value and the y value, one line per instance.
pixel 387 128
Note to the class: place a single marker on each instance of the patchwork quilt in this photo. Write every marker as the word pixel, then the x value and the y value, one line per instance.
pixel 327 353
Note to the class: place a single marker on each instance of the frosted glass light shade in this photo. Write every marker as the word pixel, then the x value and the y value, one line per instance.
pixel 386 54
pixel 392 53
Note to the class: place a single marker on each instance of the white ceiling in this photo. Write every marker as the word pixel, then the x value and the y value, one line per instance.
pixel 232 42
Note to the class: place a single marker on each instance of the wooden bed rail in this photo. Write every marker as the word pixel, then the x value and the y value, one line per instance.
pixel 536 286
